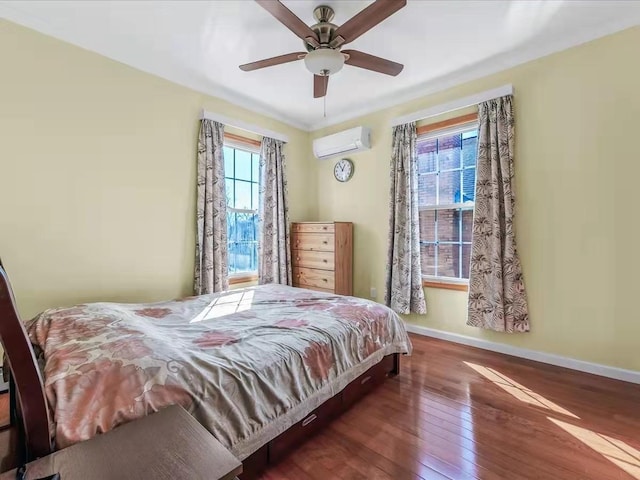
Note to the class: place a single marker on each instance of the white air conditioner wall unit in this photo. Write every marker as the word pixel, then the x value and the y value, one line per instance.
pixel 349 141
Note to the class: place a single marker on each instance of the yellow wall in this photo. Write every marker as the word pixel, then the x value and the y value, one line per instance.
pixel 97 175
pixel 577 176
pixel 97 192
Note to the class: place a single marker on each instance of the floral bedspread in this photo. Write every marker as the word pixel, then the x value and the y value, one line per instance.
pixel 247 364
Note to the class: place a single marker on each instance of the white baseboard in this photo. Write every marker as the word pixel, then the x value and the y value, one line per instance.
pixel 558 360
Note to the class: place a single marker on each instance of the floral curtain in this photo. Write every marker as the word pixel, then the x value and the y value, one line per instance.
pixel 211 265
pixel 404 292
pixel 274 265
pixel 497 298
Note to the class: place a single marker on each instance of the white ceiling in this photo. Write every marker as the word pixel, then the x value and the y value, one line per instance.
pixel 201 43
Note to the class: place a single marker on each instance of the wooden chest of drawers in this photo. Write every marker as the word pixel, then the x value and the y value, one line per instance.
pixel 322 256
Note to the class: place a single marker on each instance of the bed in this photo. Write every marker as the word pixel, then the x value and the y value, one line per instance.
pixel 260 367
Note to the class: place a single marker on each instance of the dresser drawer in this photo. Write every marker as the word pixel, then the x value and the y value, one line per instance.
pixel 313 227
pixel 309 287
pixel 312 277
pixel 311 259
pixel 322 242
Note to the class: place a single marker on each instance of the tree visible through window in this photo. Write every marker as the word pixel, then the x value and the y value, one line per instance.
pixel 241 170
pixel 446 184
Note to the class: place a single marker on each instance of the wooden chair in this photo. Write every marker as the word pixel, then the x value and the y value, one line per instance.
pixel 29 410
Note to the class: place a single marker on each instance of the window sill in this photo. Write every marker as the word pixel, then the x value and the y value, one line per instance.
pixel 243 278
pixel 447 285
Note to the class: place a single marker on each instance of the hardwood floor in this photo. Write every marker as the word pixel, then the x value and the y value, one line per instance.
pixel 457 412
pixel 8 437
pixel 4 410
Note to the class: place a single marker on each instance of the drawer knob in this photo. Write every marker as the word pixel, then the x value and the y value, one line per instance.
pixel 324 228
pixel 325 260
pixel 324 280
pixel 325 242
pixel 298 259
pixel 309 419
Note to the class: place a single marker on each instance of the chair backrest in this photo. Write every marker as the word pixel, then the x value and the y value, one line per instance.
pixel 29 387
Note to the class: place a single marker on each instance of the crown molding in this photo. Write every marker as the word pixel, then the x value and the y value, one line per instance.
pixel 485 68
pixel 205 86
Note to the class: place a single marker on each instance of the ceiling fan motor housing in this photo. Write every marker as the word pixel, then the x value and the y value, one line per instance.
pixel 324 40
pixel 324 28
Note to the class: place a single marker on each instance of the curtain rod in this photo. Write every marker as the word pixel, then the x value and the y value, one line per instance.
pixel 247 127
pixel 454 105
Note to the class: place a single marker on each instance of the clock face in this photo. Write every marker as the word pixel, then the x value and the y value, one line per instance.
pixel 343 170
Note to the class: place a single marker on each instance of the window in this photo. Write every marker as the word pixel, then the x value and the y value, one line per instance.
pixel 446 186
pixel 241 170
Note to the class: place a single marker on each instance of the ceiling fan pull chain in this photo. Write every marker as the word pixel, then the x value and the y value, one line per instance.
pixel 325 105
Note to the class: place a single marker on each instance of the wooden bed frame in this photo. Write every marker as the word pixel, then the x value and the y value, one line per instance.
pixel 30 412
pixel 279 447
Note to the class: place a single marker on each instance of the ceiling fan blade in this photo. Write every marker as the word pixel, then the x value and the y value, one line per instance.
pixel 288 19
pixel 270 62
pixel 320 84
pixel 371 62
pixel 368 18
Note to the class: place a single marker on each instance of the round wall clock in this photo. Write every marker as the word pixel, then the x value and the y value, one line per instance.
pixel 343 170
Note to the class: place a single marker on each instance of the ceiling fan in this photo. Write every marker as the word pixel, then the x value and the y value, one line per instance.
pixel 324 40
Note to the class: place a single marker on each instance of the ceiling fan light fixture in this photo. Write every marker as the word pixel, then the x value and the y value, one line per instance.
pixel 324 61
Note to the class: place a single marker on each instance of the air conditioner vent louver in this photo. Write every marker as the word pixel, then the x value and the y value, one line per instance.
pixel 349 141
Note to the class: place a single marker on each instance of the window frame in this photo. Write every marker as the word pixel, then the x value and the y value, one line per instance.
pixel 429 132
pixel 238 142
